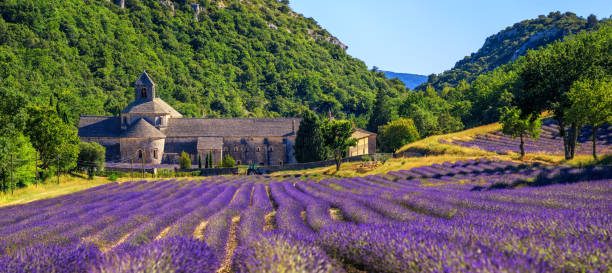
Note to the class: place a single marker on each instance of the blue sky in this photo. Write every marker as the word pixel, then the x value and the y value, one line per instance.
pixel 428 36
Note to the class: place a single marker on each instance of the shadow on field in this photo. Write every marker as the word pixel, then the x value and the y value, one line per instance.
pixel 558 175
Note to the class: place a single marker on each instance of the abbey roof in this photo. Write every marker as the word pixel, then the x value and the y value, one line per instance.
pixel 144 79
pixel 142 129
pixel 233 127
pixel 155 106
pixel 99 126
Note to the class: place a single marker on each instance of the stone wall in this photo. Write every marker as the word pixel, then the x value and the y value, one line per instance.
pixel 260 151
pixel 318 164
pixel 152 149
pixel 362 147
pixel 372 144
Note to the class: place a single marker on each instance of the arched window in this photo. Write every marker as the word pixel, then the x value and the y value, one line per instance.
pixel 258 149
pixel 143 92
pixel 155 153
pixel 139 154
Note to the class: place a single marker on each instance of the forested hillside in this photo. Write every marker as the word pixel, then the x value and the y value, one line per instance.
pixel 252 58
pixel 510 43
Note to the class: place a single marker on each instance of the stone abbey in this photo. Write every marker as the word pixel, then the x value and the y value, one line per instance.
pixel 150 130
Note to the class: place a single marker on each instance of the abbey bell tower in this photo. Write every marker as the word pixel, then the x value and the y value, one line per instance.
pixel 144 88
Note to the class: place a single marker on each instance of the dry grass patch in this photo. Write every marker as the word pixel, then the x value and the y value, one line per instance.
pixel 336 214
pixel 68 184
pixel 163 233
pixel 270 221
pixel 198 233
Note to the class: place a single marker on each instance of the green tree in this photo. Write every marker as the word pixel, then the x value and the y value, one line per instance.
pixel 13 144
pixel 591 104
pixel 185 161
pixel 56 141
pixel 309 142
pixel 228 162
pixel 210 160
pixel 92 156
pixel 548 75
pixel 16 154
pixel 381 112
pixel 337 135
pixel 200 161
pixel 396 134
pixel 515 125
pixel 233 62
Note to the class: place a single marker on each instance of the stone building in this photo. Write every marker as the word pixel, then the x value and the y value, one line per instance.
pixel 366 143
pixel 150 130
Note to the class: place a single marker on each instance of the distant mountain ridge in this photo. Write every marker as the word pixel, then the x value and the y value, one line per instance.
pixel 410 80
pixel 510 43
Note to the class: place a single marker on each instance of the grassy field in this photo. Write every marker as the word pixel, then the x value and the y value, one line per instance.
pixel 68 184
pixel 436 152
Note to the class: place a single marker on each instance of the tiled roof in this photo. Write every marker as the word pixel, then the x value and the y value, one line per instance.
pixel 142 129
pixel 155 106
pixel 233 127
pixel 96 126
pixel 361 133
pixel 144 79
pixel 210 143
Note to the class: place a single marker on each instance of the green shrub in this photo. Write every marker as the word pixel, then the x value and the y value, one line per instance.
pixel 366 158
pixel 185 161
pixel 113 177
pixel 228 162
pixel 383 158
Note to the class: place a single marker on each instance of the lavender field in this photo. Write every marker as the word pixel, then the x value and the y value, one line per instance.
pixel 549 141
pixel 451 217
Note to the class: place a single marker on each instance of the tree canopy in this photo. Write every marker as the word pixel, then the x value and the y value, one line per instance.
pixel 516 125
pixel 310 142
pixel 337 135
pixel 91 157
pixel 511 43
pixel 247 59
pixel 396 134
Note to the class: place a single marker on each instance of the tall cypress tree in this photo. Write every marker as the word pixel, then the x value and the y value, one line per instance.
pixel 309 142
pixel 381 113
pixel 210 160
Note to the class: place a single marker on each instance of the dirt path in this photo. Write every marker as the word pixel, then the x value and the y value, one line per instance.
pixel 163 233
pixel 336 214
pixel 232 243
pixel 270 222
pixel 198 233
pixel 106 249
